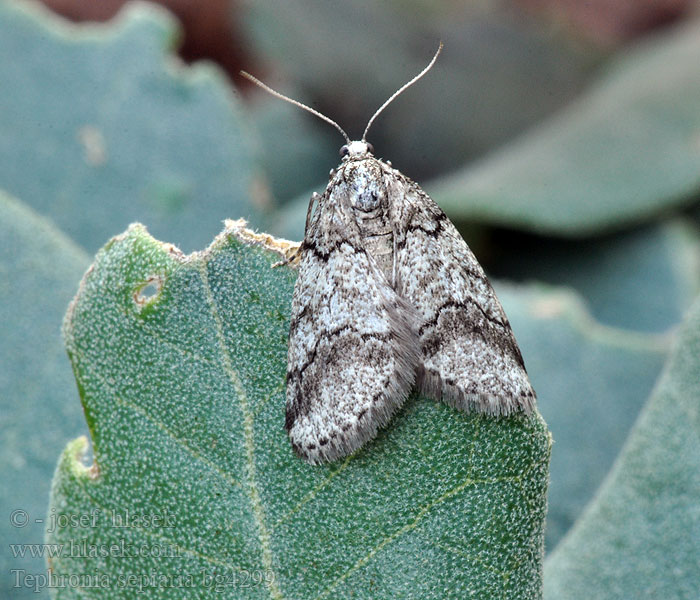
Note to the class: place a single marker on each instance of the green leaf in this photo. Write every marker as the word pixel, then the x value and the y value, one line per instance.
pixel 583 373
pixel 38 271
pixel 180 363
pixel 623 152
pixel 640 538
pixel 100 126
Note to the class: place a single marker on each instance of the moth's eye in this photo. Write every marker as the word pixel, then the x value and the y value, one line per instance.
pixel 370 148
pixel 344 151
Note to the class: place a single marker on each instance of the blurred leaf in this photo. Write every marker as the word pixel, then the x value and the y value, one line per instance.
pixel 644 279
pixel 291 218
pixel 207 26
pixel 498 73
pixel 183 389
pixel 640 537
pixel 101 125
pixel 38 271
pixel 296 151
pixel 624 152
pixel 591 382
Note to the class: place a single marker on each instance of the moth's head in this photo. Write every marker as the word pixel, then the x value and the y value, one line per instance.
pixel 355 150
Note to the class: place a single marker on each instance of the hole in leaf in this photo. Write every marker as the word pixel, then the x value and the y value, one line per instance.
pixel 149 291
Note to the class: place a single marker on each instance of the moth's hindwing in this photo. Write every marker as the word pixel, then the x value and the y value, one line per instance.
pixel 469 356
pixel 352 345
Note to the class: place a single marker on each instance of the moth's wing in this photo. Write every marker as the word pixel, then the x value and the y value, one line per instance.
pixel 352 347
pixel 470 358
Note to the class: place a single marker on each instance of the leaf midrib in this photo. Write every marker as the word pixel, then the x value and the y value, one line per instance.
pixel 248 434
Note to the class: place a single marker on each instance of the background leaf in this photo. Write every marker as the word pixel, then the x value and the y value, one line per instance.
pixel 183 393
pixel 295 150
pixel 591 382
pixel 644 279
pixel 101 126
pixel 623 152
pixel 38 270
pixel 640 538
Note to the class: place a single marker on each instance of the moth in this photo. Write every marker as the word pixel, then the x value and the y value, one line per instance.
pixel 388 298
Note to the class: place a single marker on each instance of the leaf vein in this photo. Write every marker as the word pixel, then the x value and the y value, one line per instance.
pixel 314 492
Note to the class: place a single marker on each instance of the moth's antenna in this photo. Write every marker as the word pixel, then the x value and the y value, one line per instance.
pixel 401 89
pixel 268 89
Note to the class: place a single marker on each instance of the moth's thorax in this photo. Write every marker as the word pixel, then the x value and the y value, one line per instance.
pixel 362 180
pixel 365 184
